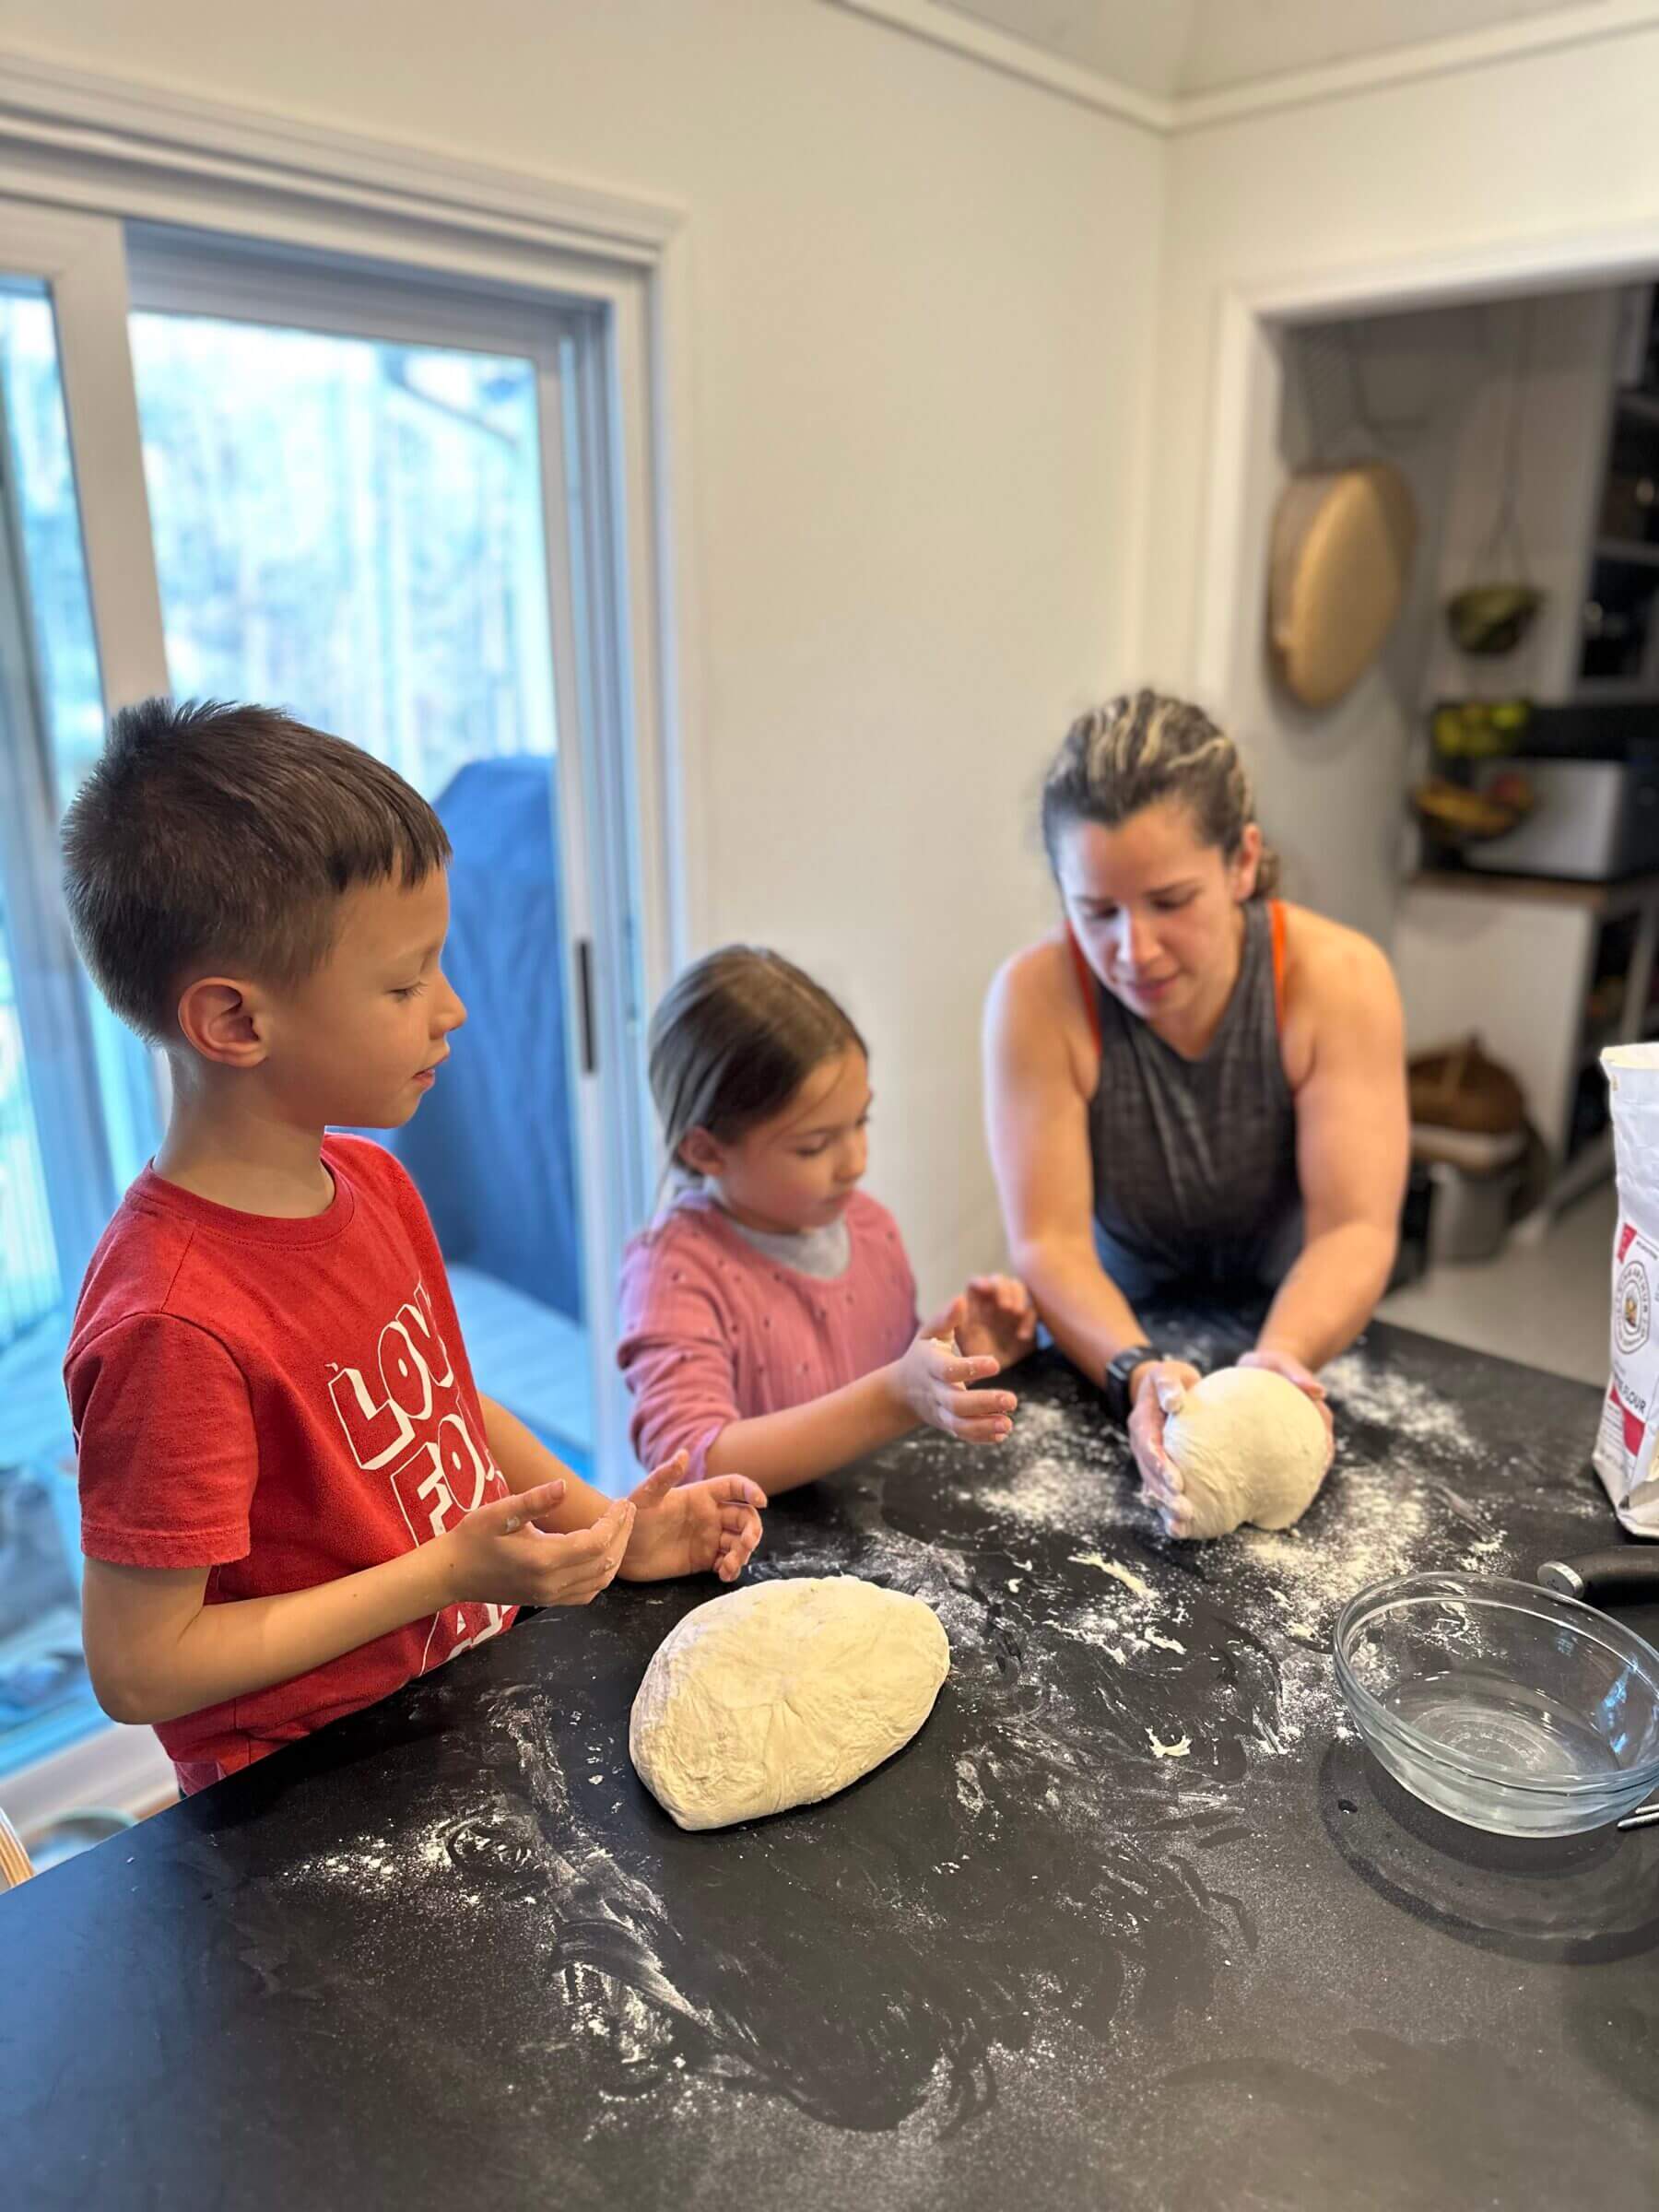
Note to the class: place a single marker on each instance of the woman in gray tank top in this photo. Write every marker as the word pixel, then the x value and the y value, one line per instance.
pixel 1192 1088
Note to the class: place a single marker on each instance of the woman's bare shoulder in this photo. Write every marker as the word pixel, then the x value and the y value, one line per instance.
pixel 1038 974
pixel 1326 959
pixel 1036 1018
pixel 1341 999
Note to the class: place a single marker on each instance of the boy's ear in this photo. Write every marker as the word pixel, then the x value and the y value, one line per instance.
pixel 698 1151
pixel 220 1019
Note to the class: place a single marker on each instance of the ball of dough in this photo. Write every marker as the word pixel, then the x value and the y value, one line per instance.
pixel 1248 1446
pixel 781 1694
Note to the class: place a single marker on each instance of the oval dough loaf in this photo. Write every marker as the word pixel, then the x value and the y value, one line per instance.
pixel 781 1694
pixel 1248 1446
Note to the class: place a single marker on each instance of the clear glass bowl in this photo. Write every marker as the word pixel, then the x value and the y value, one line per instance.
pixel 1502 1705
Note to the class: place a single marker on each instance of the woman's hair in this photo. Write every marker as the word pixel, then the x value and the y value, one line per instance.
pixel 734 1036
pixel 1139 749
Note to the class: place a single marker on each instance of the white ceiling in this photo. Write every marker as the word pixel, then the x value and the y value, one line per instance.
pixel 1174 48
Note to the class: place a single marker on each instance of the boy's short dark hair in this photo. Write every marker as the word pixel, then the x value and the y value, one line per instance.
pixel 220 833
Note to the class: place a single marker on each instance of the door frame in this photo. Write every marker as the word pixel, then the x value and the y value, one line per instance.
pixel 78 259
pixel 1247 392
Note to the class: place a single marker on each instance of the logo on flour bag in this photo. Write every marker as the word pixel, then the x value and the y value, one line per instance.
pixel 1632 1307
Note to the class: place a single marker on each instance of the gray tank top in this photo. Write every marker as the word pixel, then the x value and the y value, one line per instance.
pixel 1194 1161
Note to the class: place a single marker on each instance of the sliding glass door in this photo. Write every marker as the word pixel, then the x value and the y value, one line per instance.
pixel 383 502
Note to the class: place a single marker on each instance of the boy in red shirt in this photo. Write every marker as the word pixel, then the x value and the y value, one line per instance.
pixel 293 1496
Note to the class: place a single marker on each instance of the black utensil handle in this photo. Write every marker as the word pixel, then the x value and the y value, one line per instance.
pixel 1630 1571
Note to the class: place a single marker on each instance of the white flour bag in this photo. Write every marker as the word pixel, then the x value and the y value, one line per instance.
pixel 1626 1441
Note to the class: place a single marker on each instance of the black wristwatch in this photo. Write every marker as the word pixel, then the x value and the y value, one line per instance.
pixel 1115 1381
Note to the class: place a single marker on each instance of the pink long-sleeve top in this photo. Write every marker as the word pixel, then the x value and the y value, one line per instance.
pixel 713 1331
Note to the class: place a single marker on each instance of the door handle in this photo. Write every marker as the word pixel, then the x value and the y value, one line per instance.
pixel 584 1000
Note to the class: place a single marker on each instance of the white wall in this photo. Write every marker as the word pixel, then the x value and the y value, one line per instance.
pixel 1528 149
pixel 924 301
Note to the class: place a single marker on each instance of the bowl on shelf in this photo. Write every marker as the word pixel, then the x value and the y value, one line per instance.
pixel 1455 815
pixel 1500 1704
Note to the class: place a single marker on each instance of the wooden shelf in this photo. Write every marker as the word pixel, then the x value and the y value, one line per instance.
pixel 1606 898
pixel 1633 551
pixel 1640 407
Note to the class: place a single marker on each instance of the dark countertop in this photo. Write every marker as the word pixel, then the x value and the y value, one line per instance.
pixel 449 1952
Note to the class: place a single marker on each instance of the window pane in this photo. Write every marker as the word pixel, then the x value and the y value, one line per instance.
pixel 353 529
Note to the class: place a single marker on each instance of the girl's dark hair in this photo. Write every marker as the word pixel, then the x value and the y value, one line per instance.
pixel 734 1036
pixel 1141 748
pixel 209 833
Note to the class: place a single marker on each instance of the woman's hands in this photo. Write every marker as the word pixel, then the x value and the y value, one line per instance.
pixel 1158 1389
pixel 1155 1391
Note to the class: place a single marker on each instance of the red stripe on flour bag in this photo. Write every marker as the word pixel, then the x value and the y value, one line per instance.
pixel 1634 1427
pixel 1627 1232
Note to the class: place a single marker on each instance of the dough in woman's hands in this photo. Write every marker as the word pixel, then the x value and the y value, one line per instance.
pixel 1248 1446
pixel 781 1694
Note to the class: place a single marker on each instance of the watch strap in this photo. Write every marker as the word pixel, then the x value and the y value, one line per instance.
pixel 1115 1382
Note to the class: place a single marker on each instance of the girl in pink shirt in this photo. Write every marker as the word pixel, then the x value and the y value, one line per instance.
pixel 769 1316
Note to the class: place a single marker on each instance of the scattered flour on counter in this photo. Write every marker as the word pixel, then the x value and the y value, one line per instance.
pixel 1126 1575
pixel 376 1866
pixel 1058 1474
pixel 1408 1410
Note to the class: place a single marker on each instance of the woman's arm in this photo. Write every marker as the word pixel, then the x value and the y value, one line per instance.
pixel 1037 1124
pixel 1353 1143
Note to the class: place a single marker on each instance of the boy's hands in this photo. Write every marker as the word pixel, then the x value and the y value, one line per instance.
pixel 500 1554
pixel 505 1555
pixel 1000 1318
pixel 689 1527
pixel 931 1381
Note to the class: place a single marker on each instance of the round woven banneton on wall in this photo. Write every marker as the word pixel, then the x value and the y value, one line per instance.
pixel 1341 545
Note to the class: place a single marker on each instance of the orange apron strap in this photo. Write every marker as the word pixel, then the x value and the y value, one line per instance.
pixel 1085 983
pixel 1275 914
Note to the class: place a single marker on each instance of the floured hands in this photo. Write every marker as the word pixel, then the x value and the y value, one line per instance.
pixel 1158 1388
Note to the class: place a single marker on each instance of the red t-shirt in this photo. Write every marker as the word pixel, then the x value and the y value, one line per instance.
pixel 282 1402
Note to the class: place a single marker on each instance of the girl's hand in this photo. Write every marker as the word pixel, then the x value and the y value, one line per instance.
pixel 502 1556
pixel 1001 1319
pixel 1158 1387
pixel 689 1527
pixel 932 1380
pixel 1305 1379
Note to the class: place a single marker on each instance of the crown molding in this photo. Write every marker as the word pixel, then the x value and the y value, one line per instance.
pixel 1517 42
pixel 50 107
pixel 1015 57
pixel 1520 41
